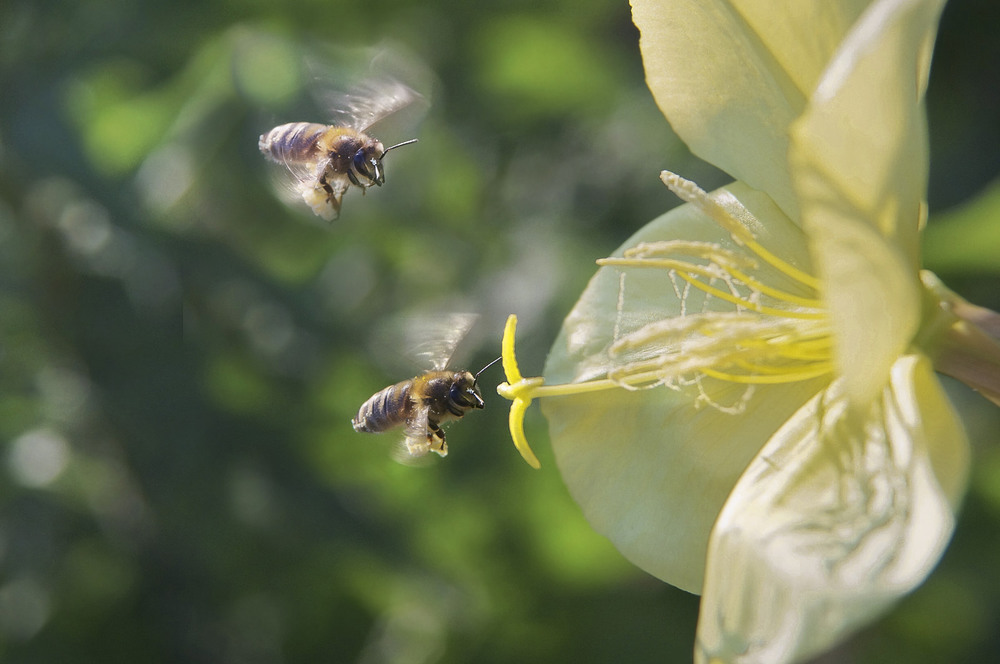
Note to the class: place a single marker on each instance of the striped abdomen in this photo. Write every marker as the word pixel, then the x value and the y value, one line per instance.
pixel 386 409
pixel 295 142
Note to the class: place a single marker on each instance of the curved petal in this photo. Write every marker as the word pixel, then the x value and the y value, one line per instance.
pixel 841 513
pixel 859 157
pixel 873 299
pixel 732 75
pixel 652 468
pixel 860 147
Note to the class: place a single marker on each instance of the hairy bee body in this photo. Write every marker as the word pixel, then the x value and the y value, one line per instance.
pixel 386 409
pixel 324 160
pixel 421 404
pixel 304 142
pixel 329 159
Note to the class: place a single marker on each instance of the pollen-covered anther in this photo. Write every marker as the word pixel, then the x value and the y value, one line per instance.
pixel 689 192
pixel 727 211
pixel 717 328
pixel 649 252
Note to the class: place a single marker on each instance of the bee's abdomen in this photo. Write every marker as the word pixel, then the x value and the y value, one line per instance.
pixel 385 409
pixel 294 142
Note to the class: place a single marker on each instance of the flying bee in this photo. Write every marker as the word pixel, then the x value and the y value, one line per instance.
pixel 325 160
pixel 423 403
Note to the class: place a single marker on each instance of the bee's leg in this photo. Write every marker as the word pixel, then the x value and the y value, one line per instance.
pixel 325 186
pixel 323 201
pixel 324 198
pixel 435 438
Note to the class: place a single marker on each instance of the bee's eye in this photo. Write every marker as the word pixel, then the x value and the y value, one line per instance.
pixel 368 167
pixel 361 164
pixel 465 395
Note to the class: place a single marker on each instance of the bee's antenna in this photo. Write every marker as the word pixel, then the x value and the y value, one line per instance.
pixel 398 145
pixel 487 367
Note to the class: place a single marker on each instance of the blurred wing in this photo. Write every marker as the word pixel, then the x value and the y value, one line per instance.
pixel 296 184
pixel 401 454
pixel 369 102
pixel 413 447
pixel 433 339
pixel 427 341
pixel 361 86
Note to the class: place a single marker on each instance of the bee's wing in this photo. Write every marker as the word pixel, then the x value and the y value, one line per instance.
pixel 417 441
pixel 420 341
pixel 371 101
pixel 401 454
pixel 298 182
pixel 433 339
pixel 295 172
pixel 360 87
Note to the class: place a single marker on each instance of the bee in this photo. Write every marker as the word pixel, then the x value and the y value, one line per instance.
pixel 423 403
pixel 325 160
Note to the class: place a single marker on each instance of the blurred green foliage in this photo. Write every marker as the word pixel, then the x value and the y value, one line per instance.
pixel 181 353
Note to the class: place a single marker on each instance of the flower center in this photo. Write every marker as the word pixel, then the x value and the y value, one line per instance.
pixel 743 329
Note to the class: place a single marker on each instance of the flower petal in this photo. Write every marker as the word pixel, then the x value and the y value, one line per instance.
pixel 841 513
pixel 652 468
pixel 732 75
pixel 873 299
pixel 859 157
pixel 862 140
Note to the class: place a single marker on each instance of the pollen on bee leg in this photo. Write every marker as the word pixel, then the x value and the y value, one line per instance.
pixel 320 202
pixel 436 440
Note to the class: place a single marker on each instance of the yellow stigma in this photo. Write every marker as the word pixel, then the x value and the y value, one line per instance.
pixel 522 391
pixel 518 390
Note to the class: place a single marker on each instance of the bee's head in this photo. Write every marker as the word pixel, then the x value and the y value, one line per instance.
pixel 366 166
pixel 465 388
pixel 465 392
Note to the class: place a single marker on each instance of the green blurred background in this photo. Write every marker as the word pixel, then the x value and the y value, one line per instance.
pixel 181 353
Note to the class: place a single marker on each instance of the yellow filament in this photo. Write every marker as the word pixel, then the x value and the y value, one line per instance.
pixel 754 367
pixel 706 271
pixel 709 272
pixel 746 304
pixel 785 268
pixel 787 377
pixel 664 263
pixel 692 193
pixel 776 293
pixel 804 354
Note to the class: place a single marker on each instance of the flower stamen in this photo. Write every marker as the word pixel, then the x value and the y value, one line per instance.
pixel 691 193
pixel 749 304
pixel 771 378
pixel 771 336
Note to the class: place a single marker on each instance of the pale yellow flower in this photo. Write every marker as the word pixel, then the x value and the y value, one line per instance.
pixel 743 399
